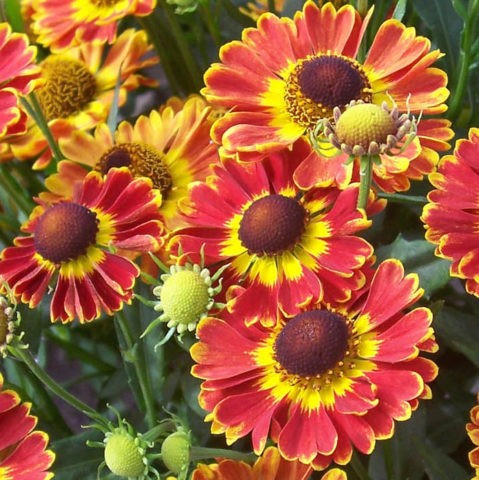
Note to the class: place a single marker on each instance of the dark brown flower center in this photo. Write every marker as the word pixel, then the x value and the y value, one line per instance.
pixel 311 343
pixel 319 83
pixel 69 87
pixel 272 224
pixel 104 3
pixel 142 160
pixel 65 231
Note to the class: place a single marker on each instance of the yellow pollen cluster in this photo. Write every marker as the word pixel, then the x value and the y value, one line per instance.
pixel 184 297
pixel 368 129
pixel 363 124
pixel 69 87
pixel 142 160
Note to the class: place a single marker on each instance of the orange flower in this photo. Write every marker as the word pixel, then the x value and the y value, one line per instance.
pixel 23 453
pixel 329 379
pixel 61 24
pixel 68 245
pixel 19 75
pixel 270 466
pixel 451 216
pixel 79 86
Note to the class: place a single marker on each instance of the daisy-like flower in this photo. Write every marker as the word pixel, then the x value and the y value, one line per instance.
pixel 171 146
pixel 270 466
pixel 62 24
pixel 456 184
pixel 78 89
pixel 327 379
pixel 472 429
pixel 276 95
pixel 19 75
pixel 23 450
pixel 69 246
pixel 286 246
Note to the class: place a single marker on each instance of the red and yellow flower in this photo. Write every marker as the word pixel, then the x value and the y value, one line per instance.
pixel 69 246
pixel 171 146
pixel 277 94
pixel 62 24
pixel 411 158
pixel 329 379
pixel 472 429
pixel 284 245
pixel 19 75
pixel 23 450
pixel 270 466
pixel 456 184
pixel 79 86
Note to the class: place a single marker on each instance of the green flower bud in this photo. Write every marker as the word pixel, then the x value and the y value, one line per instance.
pixel 175 451
pixel 123 456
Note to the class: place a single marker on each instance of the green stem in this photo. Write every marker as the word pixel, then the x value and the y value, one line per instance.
pixel 202 453
pixel 365 176
pixel 359 468
pixel 402 198
pixel 211 24
pixel 27 358
pixel 154 34
pixel 43 400
pixel 154 433
pixel 196 80
pixel 35 111
pixel 135 355
pixel 468 36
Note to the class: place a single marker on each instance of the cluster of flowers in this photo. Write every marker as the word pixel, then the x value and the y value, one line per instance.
pixel 266 179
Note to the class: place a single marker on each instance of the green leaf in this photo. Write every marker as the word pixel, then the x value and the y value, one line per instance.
pixel 394 458
pixel 459 331
pixel 400 10
pixel 448 410
pixel 437 464
pixel 10 11
pixel 417 255
pixel 444 25
pixel 461 7
pixel 74 460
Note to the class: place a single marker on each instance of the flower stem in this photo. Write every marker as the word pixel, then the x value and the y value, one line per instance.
pixel 465 57
pixel 202 453
pixel 34 109
pixel 28 359
pixel 401 198
pixel 183 47
pixel 179 64
pixel 134 354
pixel 154 34
pixel 365 176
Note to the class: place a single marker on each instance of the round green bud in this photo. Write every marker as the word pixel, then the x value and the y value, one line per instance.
pixel 123 456
pixel 175 451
